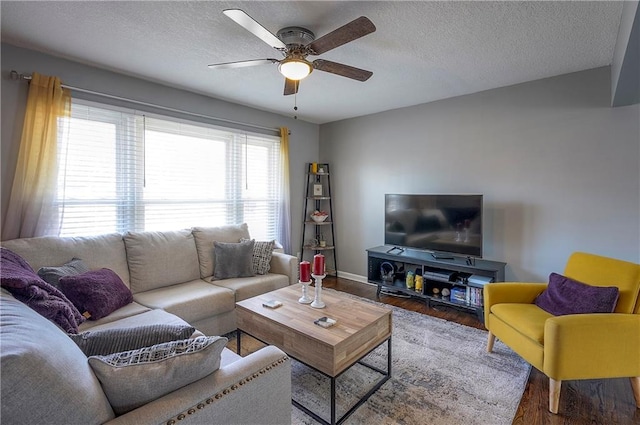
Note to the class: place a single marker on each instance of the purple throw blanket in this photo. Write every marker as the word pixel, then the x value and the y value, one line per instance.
pixel 17 276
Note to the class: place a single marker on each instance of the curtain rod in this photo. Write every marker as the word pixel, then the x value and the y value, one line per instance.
pixel 15 75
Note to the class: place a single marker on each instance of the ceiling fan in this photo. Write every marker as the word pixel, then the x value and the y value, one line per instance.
pixel 296 43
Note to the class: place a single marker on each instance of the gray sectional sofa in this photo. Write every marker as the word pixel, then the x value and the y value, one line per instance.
pixel 170 277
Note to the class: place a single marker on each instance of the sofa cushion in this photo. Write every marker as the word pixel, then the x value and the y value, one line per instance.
pixel 133 378
pixel 20 279
pixel 568 296
pixel 96 251
pixel 192 301
pixel 248 287
pixel 158 259
pixel 108 341
pixel 262 253
pixel 38 360
pixel 149 317
pixel 128 310
pixel 528 319
pixel 52 274
pixel 233 259
pixel 96 293
pixel 205 236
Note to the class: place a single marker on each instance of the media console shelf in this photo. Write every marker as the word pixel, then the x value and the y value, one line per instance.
pixel 463 277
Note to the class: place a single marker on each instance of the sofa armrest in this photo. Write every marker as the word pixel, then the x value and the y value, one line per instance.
pixel 592 346
pixel 253 390
pixel 285 264
pixel 510 292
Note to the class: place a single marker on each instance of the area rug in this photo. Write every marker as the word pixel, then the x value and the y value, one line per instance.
pixel 441 375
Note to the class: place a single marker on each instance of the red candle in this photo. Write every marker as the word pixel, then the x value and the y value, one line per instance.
pixel 318 264
pixel 305 271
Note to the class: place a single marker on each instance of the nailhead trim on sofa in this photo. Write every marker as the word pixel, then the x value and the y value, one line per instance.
pixel 225 391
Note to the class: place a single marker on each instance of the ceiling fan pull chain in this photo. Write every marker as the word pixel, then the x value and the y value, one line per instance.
pixel 295 101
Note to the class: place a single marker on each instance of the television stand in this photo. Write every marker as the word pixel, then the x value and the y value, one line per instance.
pixel 462 278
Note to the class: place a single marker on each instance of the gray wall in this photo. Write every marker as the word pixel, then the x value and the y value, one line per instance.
pixel 625 66
pixel 303 140
pixel 558 167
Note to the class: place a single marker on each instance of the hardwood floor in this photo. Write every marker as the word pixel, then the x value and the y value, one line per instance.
pixel 598 401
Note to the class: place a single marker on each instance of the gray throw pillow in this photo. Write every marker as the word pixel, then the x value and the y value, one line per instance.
pixel 262 251
pixel 52 275
pixel 233 259
pixel 133 378
pixel 108 341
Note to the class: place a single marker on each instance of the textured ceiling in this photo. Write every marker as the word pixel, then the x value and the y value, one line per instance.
pixel 422 51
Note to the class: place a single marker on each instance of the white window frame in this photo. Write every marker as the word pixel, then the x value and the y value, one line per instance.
pixel 130 200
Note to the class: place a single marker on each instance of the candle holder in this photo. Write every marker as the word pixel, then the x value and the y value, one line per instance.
pixel 305 299
pixel 317 302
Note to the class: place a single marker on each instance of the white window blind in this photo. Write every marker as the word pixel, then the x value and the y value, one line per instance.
pixel 120 170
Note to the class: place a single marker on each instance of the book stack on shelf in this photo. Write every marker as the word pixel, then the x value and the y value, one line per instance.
pixel 458 295
pixel 467 295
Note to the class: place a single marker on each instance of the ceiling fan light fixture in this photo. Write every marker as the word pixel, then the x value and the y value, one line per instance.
pixel 295 69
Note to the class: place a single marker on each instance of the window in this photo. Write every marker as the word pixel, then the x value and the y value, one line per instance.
pixel 120 170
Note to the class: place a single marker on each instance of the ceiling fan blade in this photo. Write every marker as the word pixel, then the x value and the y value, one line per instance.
pixel 242 64
pixel 251 25
pixel 353 30
pixel 342 69
pixel 291 86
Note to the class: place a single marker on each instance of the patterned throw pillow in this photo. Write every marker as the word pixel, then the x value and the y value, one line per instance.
pixel 108 341
pixel 133 378
pixel 262 252
pixel 52 275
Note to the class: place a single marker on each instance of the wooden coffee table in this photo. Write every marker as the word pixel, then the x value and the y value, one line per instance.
pixel 361 327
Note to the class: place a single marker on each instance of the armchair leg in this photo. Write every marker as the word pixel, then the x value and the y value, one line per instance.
pixel 490 340
pixel 635 384
pixel 554 395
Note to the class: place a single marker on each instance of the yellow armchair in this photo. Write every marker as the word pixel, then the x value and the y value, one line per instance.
pixel 576 346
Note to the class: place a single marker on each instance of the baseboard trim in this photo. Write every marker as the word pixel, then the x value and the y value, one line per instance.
pixel 354 277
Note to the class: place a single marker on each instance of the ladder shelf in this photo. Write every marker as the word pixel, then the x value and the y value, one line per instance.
pixel 318 237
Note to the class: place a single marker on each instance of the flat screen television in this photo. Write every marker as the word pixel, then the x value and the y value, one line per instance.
pixel 439 223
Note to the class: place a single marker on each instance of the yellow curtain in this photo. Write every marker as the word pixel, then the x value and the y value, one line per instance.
pixel 285 225
pixel 30 210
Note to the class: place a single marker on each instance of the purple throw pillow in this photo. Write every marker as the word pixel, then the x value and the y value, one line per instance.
pixel 17 277
pixel 96 293
pixel 567 296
